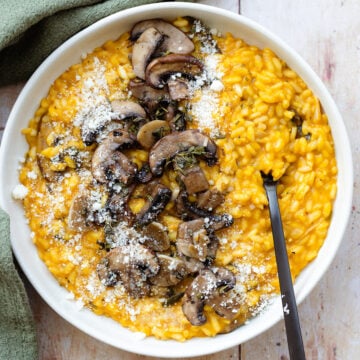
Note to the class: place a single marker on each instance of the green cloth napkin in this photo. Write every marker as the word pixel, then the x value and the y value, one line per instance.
pixel 17 329
pixel 31 30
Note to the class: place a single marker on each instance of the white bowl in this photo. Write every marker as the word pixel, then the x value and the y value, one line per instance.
pixel 14 147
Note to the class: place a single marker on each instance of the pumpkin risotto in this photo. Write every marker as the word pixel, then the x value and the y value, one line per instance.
pixel 142 183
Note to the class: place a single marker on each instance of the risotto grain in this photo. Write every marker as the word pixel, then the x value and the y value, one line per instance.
pixel 260 116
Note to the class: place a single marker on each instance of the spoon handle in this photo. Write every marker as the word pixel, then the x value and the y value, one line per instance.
pixel 291 317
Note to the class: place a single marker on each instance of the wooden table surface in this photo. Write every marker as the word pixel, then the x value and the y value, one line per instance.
pixel 326 33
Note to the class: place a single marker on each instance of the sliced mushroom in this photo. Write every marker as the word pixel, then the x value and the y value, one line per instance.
pixel 204 206
pixel 196 295
pixel 218 221
pixel 172 271
pixel 78 212
pixel 158 196
pixel 124 109
pixel 135 265
pixel 193 240
pixel 107 277
pixel 168 146
pixel 210 287
pixel 45 129
pixel 85 211
pixel 210 199
pixel 196 238
pixel 156 236
pixel 143 48
pixel 109 164
pixel 175 40
pixel 193 265
pixel 151 132
pixel 144 174
pixel 194 180
pixel 147 93
pixel 118 207
pixel 159 70
pixel 220 300
pixel 188 210
pixel 178 89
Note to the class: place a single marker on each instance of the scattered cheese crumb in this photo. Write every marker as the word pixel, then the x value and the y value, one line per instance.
pixel 19 192
pixel 32 175
pixel 217 85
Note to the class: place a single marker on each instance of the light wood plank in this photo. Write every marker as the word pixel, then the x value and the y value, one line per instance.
pixel 326 34
pixel 231 5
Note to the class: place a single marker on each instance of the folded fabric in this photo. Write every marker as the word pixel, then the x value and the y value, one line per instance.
pixel 31 30
pixel 17 329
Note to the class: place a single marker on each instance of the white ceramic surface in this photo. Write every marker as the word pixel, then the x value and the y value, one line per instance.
pixel 14 147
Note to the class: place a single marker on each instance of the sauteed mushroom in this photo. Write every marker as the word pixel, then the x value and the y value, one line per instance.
pixel 152 131
pixel 147 93
pixel 210 287
pixel 175 41
pixel 45 129
pixel 193 240
pixel 196 238
pixel 143 48
pixel 159 196
pixel 156 236
pixel 135 265
pixel 110 164
pixel 210 199
pixel 160 69
pixel 78 212
pixel 172 271
pixel 194 180
pixel 124 109
pixel 168 146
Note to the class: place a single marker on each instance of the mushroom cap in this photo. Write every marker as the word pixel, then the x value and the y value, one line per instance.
pixel 192 240
pixel 147 93
pixel 210 287
pixel 44 130
pixel 160 69
pixel 143 48
pixel 114 166
pixel 149 133
pixel 196 295
pixel 124 109
pixel 78 211
pixel 159 196
pixel 172 271
pixel 108 163
pixel 156 236
pixel 168 146
pixel 175 41
pixel 135 264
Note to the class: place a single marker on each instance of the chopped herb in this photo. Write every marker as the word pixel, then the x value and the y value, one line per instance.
pixel 172 299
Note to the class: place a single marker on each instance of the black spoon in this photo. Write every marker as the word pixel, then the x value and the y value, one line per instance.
pixel 291 317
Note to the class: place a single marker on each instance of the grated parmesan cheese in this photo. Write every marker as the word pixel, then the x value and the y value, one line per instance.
pixel 19 192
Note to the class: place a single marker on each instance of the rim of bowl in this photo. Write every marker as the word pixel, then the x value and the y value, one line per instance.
pixel 45 283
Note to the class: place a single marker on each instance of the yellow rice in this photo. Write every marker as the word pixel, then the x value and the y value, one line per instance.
pixel 259 97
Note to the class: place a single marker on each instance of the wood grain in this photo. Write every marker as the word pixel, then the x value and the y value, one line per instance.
pixel 326 34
